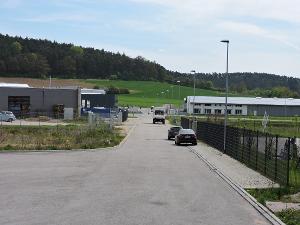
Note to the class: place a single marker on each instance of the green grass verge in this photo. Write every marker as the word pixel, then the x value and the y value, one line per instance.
pixel 282 126
pixel 58 137
pixel 148 93
pixel 270 194
pixel 289 217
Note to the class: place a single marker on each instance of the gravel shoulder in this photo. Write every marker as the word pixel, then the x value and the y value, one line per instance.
pixel 236 171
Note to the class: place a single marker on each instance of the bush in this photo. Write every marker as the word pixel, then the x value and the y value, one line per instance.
pixel 124 91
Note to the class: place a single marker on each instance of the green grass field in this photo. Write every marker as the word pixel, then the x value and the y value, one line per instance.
pixel 148 93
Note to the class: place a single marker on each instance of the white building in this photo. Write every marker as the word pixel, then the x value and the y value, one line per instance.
pixel 243 106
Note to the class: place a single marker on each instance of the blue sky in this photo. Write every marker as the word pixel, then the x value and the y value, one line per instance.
pixel 180 35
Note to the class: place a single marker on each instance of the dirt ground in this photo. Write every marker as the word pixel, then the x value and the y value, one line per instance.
pixel 45 83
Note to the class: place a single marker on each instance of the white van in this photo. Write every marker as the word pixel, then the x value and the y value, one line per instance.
pixel 159 115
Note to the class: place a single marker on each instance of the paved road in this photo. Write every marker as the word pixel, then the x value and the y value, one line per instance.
pixel 149 181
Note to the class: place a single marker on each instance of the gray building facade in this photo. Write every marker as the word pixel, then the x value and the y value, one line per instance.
pixel 243 106
pixel 24 101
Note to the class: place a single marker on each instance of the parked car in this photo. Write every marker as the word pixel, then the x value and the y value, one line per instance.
pixel 173 131
pixel 186 136
pixel 7 116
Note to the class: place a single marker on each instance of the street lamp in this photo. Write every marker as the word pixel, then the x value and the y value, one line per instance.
pixel 226 98
pixel 179 87
pixel 194 73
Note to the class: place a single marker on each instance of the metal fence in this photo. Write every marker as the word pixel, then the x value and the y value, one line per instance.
pixel 273 156
pixel 115 117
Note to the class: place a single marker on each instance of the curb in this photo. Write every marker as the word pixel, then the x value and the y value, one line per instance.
pixel 265 212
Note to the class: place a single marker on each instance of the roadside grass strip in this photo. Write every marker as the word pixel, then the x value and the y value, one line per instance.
pixel 58 137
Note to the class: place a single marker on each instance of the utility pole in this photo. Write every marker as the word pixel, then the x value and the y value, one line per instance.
pixel 226 98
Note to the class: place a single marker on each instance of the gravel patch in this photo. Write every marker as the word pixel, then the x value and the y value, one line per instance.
pixel 280 206
pixel 238 172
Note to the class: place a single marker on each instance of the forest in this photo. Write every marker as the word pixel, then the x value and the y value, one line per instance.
pixel 36 58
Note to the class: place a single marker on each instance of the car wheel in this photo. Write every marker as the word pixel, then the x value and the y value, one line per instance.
pixel 163 122
pixel 195 143
pixel 169 138
pixel 10 120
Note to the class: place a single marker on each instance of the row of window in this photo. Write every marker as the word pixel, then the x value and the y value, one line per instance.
pixel 199 104
pixel 219 111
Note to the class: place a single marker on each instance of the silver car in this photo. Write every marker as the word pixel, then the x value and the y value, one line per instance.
pixel 7 116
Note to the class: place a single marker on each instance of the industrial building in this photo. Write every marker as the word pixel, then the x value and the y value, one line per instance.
pixel 24 100
pixel 243 106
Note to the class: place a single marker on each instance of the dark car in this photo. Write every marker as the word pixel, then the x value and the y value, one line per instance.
pixel 173 131
pixel 186 136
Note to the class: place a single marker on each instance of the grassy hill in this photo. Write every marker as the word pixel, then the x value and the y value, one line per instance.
pixel 142 93
pixel 148 93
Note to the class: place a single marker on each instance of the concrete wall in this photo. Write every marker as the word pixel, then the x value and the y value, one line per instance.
pixel 41 99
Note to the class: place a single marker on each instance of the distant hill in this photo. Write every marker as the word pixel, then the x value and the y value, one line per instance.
pixel 26 57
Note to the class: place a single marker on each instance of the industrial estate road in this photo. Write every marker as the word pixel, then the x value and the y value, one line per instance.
pixel 147 181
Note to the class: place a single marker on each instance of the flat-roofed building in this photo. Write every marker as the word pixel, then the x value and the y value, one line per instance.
pixel 24 100
pixel 243 106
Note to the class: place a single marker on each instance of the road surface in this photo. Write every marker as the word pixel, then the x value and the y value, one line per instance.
pixel 147 181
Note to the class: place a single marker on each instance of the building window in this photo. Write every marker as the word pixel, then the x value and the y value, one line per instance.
pixel 207 104
pixel 238 106
pixel 238 112
pixel 218 111
pixel 83 103
pixel 229 111
pixel 197 104
pixel 207 111
pixel 197 111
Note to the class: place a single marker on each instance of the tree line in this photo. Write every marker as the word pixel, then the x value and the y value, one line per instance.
pixel 38 58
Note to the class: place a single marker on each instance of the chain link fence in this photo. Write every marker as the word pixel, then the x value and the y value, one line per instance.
pixel 273 156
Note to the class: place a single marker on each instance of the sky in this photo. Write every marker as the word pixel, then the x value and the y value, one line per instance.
pixel 181 35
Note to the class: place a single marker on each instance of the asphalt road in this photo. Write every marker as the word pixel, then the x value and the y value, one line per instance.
pixel 147 181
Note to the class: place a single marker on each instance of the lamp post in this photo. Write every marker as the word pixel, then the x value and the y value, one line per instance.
pixel 194 73
pixel 179 87
pixel 226 98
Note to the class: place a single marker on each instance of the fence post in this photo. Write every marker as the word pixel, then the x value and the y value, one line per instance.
pixel 256 156
pixel 288 163
pixel 250 142
pixel 266 143
pixel 276 150
pixel 243 147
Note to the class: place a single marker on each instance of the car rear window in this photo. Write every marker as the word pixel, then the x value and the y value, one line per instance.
pixel 186 131
pixel 175 128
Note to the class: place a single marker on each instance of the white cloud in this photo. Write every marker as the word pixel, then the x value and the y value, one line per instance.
pixel 64 17
pixel 252 29
pixel 285 10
